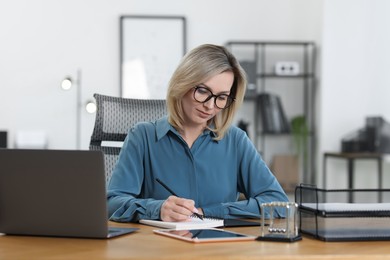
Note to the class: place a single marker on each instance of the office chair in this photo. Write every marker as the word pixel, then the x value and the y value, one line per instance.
pixel 114 117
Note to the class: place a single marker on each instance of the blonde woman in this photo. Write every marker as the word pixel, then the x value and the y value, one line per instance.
pixel 195 150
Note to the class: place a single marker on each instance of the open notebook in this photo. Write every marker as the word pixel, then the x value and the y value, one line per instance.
pixel 193 223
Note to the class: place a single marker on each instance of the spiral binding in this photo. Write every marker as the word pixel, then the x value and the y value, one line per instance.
pixel 206 218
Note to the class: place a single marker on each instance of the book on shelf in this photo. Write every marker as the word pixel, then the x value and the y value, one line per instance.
pixel 272 114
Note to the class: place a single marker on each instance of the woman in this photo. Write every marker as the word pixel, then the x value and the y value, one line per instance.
pixel 194 150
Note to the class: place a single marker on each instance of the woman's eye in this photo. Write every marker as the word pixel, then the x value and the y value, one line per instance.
pixel 203 91
pixel 222 97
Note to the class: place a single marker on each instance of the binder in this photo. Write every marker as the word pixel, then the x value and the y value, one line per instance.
pixel 272 114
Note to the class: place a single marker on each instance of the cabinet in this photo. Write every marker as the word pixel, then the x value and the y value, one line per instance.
pixel 287 71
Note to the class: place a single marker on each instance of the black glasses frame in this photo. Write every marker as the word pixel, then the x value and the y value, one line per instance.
pixel 229 100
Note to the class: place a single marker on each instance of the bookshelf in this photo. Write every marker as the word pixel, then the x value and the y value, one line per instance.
pixel 285 69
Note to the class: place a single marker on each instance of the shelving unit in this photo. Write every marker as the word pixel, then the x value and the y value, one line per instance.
pixel 295 89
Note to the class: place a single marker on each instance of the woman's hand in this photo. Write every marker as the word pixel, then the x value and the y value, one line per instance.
pixel 177 209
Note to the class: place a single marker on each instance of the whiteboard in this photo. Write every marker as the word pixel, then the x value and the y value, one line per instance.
pixel 151 49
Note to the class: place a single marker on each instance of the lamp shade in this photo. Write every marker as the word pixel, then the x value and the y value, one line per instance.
pixel 66 83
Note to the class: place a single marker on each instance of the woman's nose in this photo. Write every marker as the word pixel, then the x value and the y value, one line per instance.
pixel 210 103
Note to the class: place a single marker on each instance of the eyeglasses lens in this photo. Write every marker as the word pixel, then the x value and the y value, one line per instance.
pixel 203 95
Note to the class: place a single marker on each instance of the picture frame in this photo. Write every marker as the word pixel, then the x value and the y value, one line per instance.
pixel 151 47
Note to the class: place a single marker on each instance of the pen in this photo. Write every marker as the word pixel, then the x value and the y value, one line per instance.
pixel 174 194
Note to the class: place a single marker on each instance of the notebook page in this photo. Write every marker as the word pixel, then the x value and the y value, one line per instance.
pixel 193 223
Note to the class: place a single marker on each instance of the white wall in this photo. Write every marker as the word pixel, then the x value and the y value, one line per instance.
pixel 42 41
pixel 355 79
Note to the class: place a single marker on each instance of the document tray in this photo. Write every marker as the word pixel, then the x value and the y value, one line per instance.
pixel 344 215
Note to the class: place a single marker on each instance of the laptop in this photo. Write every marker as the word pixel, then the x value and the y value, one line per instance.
pixel 58 193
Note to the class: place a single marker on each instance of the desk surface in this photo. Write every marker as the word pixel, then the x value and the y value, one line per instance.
pixel 145 245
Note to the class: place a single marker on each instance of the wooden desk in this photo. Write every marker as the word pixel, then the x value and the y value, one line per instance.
pixel 145 245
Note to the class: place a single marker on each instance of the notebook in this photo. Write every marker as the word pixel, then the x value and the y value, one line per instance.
pixel 193 223
pixel 57 193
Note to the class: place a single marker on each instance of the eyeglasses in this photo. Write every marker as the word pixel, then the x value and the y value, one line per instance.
pixel 202 95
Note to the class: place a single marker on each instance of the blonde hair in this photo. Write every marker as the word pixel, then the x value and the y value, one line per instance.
pixel 196 67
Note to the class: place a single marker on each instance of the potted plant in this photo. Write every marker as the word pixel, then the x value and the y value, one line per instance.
pixel 300 133
pixel 288 166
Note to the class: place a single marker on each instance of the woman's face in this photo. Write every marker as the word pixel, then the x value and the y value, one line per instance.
pixel 197 113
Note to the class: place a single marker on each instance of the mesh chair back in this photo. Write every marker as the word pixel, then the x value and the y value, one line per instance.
pixel 114 117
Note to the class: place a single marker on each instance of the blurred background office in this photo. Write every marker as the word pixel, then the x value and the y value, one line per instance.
pixel 44 41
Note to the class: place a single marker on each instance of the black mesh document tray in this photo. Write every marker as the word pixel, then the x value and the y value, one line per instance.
pixel 330 216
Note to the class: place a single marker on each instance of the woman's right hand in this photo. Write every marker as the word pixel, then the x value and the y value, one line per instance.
pixel 176 209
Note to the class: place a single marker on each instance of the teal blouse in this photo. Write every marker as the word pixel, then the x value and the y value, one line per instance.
pixel 212 173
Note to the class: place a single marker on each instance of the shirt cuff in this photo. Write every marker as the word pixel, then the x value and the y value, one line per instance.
pixel 153 209
pixel 215 211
